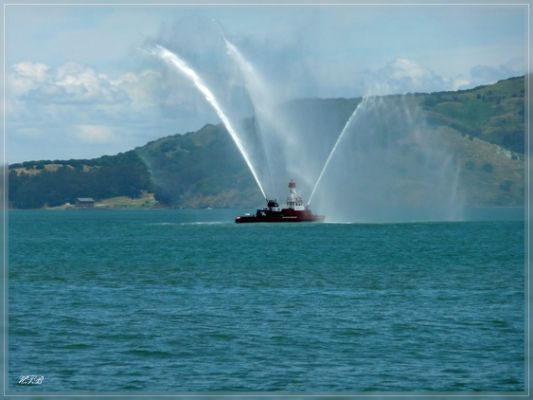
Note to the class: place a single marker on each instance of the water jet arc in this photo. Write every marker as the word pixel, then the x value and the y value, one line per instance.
pixel 263 109
pixel 332 152
pixel 188 72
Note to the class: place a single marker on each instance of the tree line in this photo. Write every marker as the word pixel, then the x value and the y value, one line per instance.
pixel 121 175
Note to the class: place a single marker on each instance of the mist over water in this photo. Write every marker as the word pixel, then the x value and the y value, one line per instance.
pixel 385 164
pixel 335 146
pixel 391 167
pixel 362 160
pixel 274 132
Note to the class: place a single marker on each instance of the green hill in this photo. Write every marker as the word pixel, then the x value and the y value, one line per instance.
pixel 483 126
pixel 494 113
pixel 36 184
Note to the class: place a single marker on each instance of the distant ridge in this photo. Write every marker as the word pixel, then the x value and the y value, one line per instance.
pixel 485 125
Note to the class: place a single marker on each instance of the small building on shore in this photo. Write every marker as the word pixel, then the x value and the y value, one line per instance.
pixel 85 202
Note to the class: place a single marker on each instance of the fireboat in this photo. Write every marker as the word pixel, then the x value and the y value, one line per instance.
pixel 294 212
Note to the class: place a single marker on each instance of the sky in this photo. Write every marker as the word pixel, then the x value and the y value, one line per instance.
pixel 82 81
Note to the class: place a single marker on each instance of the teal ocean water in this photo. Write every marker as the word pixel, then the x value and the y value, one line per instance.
pixel 188 301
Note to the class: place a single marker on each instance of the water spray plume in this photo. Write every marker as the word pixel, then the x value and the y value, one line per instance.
pixel 332 152
pixel 188 72
pixel 274 131
pixel 253 85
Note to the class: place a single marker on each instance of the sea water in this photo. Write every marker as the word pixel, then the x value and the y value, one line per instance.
pixel 188 301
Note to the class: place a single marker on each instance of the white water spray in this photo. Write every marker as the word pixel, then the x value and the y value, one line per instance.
pixel 186 70
pixel 332 152
pixel 250 77
pixel 275 131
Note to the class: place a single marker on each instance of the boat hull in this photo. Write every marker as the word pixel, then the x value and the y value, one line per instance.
pixel 280 216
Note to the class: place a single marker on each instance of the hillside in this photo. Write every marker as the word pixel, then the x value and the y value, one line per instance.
pixel 483 126
pixel 494 113
pixel 36 184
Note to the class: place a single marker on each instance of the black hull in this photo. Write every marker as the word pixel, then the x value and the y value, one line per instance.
pixel 252 219
pixel 275 217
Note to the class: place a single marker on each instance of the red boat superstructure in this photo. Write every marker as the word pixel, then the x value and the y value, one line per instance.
pixel 294 212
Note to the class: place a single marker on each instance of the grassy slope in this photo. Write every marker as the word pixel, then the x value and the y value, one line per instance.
pixel 199 169
pixel 494 113
pixel 485 128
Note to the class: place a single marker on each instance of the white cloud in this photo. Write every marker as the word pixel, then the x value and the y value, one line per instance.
pixel 26 76
pixel 73 83
pixel 403 75
pixel 78 83
pixel 31 70
pixel 402 68
pixel 143 88
pixel 95 134
pixel 73 109
pixel 69 83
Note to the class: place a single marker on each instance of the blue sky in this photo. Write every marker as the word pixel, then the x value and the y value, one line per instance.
pixel 80 82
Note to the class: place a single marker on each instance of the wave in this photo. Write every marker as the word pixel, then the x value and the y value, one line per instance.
pixel 188 223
